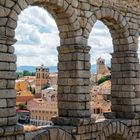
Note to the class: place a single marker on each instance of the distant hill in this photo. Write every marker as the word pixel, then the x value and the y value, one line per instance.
pixel 52 68
pixel 32 68
pixel 28 68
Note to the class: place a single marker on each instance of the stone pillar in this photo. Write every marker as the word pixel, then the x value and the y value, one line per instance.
pixel 125 85
pixel 73 82
pixel 8 117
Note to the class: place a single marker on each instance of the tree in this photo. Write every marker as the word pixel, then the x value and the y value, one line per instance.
pixel 19 75
pixel 22 106
pixel 26 73
pixel 102 79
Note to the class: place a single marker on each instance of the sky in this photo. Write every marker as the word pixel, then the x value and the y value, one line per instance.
pixel 38 37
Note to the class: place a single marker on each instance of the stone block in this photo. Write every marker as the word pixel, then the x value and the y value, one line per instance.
pixel 4 66
pixel 7 94
pixel 85 6
pixel 63 74
pixel 3 84
pixel 80 89
pixel 131 81
pixel 72 105
pixel 3 48
pixel 62 97
pixel 10 84
pixel 116 67
pixel 129 74
pixel 129 88
pixel 11 50
pixel 96 3
pixel 3 122
pixel 78 56
pixel 98 14
pixel 11 102
pixel 12 120
pixel 79 113
pixel 12 23
pixel 10 32
pixel 13 66
pixel 80 74
pixel 137 108
pixel 5 57
pixel 4 12
pixel 79 97
pixel 22 4
pixel 6 112
pixel 132 101
pixel 20 137
pixel 9 130
pixel 3 103
pixel 3 21
pixel 7 75
pixel 128 108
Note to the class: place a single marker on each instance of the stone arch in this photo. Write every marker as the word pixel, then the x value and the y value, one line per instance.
pixel 62 11
pixel 125 47
pixel 66 18
pixel 53 134
pixel 116 130
pixel 116 24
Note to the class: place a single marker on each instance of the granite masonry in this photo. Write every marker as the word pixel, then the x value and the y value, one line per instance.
pixel 75 20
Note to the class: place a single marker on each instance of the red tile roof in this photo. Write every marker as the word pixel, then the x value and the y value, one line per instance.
pixel 23 99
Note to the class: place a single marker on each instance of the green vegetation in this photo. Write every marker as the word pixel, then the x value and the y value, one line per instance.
pixel 22 106
pixel 24 73
pixel 103 79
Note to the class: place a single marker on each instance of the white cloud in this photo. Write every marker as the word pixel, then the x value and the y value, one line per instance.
pixel 38 38
pixel 101 43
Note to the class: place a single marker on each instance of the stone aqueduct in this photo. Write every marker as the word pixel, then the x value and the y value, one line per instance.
pixel 75 19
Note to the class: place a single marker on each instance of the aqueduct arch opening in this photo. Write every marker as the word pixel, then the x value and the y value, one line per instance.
pixel 124 46
pixel 37 38
pixel 101 47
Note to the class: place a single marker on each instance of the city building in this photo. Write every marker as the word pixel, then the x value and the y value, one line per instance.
pixel 42 78
pixel 50 94
pixel 100 66
pixel 53 79
pixel 100 93
pixel 42 110
pixel 23 93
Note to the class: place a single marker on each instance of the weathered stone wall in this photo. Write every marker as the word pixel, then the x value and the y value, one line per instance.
pixel 103 130
pixel 75 20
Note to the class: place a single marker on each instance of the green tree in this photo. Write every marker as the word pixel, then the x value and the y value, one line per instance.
pixel 19 75
pixel 22 106
pixel 102 79
pixel 26 73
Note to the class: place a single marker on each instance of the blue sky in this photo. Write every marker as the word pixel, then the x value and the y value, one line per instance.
pixel 38 38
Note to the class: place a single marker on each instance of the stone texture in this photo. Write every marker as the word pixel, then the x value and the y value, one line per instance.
pixel 75 19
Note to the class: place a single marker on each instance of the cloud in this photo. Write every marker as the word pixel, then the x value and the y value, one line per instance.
pixel 101 43
pixel 38 38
